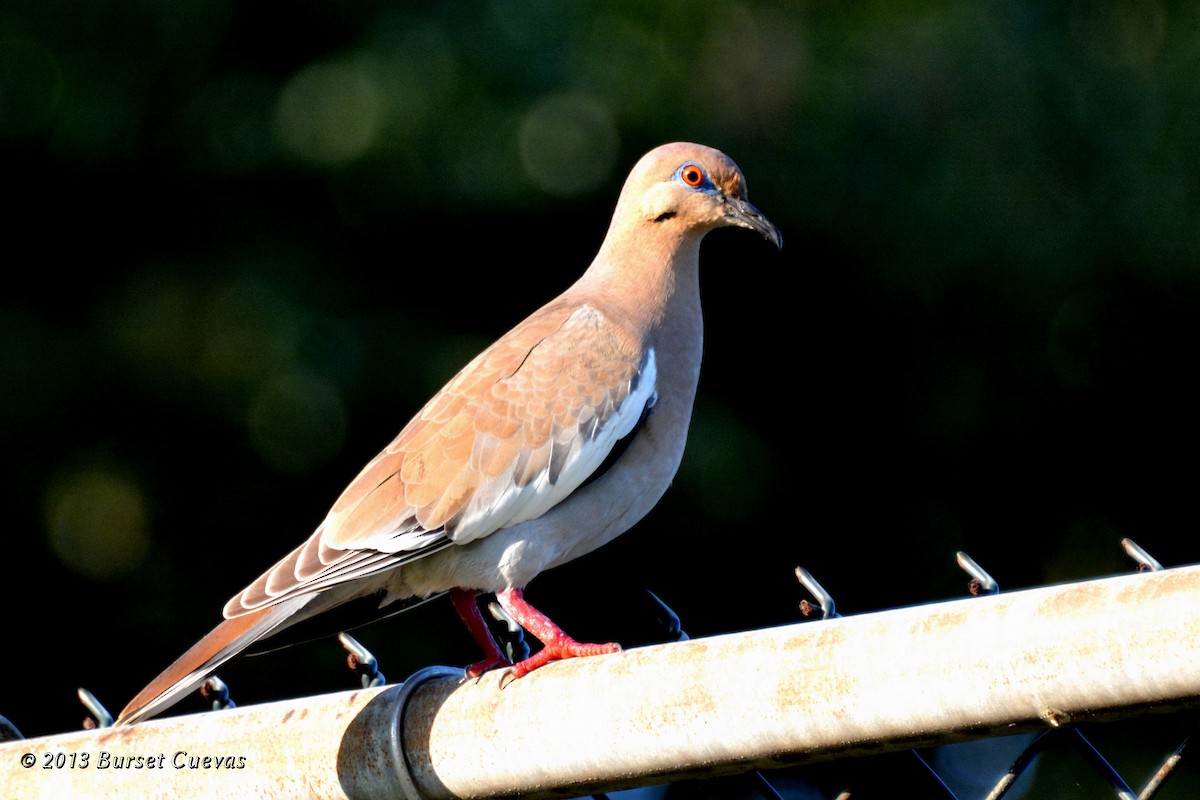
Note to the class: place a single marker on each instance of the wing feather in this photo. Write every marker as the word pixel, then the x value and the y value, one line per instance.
pixel 513 434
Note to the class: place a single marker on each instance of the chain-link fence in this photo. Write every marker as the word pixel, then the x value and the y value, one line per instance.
pixel 1078 690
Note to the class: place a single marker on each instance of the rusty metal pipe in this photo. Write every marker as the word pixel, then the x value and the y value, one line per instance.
pixel 965 669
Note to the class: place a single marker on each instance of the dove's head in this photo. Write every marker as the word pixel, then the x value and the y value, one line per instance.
pixel 693 189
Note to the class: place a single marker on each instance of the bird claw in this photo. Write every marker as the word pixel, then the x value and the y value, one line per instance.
pixel 479 668
pixel 557 651
pixel 551 652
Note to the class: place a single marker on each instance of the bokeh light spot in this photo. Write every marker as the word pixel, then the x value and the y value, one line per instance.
pixel 756 64
pixel 251 330
pixel 1127 33
pixel 297 421
pixel 97 520
pixel 568 144
pixel 328 114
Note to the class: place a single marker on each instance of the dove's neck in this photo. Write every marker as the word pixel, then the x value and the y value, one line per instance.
pixel 654 281
pixel 654 273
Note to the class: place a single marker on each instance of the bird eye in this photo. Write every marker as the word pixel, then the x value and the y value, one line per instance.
pixel 691 174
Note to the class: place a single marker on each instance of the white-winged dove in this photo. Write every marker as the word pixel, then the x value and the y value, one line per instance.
pixel 551 442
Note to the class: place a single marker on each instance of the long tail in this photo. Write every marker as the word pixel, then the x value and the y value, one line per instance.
pixel 221 644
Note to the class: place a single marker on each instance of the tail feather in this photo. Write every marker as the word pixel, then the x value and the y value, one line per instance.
pixel 220 645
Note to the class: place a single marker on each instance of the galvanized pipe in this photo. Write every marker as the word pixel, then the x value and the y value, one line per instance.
pixel 1008 663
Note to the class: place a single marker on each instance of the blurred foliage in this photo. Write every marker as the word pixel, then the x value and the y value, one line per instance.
pixel 244 244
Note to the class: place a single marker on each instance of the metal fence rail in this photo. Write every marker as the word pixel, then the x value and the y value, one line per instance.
pixel 1037 660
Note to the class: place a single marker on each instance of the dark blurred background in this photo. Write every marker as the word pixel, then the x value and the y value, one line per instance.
pixel 243 245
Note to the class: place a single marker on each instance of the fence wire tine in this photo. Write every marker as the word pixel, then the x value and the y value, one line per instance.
pixel 765 788
pixel 1148 563
pixel 1145 561
pixel 1101 765
pixel 100 718
pixel 8 731
pixel 933 776
pixel 500 615
pixel 1018 766
pixel 829 611
pixel 514 638
pixel 667 619
pixel 362 661
pixel 1159 778
pixel 824 599
pixel 216 692
pixel 981 581
pixel 1080 742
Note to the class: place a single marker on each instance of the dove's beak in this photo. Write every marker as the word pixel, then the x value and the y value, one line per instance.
pixel 742 213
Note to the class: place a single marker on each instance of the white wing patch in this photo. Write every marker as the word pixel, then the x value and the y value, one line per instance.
pixel 576 454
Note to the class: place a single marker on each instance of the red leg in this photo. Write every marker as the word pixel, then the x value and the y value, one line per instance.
pixel 468 609
pixel 556 644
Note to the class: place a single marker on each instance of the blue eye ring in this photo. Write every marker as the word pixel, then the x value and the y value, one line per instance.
pixel 692 175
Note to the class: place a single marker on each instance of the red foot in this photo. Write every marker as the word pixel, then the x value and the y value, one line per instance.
pixel 556 645
pixel 566 648
pixel 468 609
